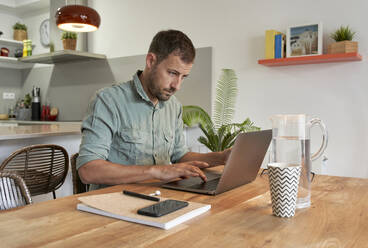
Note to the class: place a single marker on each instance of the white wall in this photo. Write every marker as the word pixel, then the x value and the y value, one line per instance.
pixel 11 79
pixel 6 25
pixel 335 92
pixel 33 23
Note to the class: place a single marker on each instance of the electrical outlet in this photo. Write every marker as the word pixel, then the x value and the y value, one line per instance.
pixel 8 95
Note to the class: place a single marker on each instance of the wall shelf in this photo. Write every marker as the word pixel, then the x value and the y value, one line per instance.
pixel 12 43
pixel 63 56
pixel 316 59
pixel 13 63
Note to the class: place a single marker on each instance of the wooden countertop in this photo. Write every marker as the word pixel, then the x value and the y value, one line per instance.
pixel 23 131
pixel 241 217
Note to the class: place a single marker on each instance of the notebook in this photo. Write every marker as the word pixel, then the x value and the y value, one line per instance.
pixel 123 207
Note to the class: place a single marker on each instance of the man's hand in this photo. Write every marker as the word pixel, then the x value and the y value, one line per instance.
pixel 226 154
pixel 184 170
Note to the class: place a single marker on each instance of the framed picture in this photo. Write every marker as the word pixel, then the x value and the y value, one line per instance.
pixel 304 40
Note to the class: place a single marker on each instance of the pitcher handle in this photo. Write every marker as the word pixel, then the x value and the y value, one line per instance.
pixel 313 122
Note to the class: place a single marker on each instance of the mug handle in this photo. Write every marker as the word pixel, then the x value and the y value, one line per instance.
pixel 313 122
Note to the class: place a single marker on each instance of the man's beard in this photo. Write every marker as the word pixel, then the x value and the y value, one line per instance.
pixel 160 94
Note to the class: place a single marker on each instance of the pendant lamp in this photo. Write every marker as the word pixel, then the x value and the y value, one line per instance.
pixel 77 18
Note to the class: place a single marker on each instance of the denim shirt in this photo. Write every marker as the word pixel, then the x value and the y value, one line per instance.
pixel 123 126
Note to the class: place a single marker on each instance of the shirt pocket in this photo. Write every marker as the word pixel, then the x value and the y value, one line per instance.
pixel 133 136
pixel 169 141
pixel 131 144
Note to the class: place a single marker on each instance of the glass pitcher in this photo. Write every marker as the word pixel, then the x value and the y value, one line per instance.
pixel 291 144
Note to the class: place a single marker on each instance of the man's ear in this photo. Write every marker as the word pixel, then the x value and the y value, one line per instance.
pixel 151 60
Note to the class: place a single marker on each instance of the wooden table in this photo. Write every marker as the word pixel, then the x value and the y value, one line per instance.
pixel 242 217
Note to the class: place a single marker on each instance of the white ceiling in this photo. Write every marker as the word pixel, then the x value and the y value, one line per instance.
pixel 21 7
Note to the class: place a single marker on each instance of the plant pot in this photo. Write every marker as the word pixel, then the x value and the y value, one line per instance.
pixel 24 114
pixel 20 34
pixel 343 47
pixel 69 44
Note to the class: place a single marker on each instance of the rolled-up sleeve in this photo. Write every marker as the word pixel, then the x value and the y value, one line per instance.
pixel 180 148
pixel 98 129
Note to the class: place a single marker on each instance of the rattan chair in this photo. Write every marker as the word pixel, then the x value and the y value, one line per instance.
pixel 13 191
pixel 43 167
pixel 78 186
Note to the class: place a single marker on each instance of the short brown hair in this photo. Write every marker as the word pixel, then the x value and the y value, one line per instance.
pixel 172 41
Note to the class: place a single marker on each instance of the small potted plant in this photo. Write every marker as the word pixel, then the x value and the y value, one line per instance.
pixel 69 40
pixel 344 44
pixel 24 111
pixel 20 31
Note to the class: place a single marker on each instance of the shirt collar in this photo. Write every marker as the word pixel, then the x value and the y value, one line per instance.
pixel 139 87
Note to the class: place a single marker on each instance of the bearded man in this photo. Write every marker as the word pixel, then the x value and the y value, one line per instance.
pixel 133 131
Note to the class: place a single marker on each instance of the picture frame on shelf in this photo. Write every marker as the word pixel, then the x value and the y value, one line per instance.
pixel 304 40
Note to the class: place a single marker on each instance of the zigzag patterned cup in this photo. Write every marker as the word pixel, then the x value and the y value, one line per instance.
pixel 284 181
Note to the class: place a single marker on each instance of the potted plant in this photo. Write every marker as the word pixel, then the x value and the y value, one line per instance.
pixel 69 40
pixel 344 44
pixel 20 31
pixel 220 132
pixel 24 111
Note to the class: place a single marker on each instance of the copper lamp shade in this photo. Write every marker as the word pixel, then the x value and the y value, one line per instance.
pixel 77 18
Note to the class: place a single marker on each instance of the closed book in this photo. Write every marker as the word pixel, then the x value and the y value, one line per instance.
pixel 123 207
pixel 270 43
pixel 283 46
pixel 279 46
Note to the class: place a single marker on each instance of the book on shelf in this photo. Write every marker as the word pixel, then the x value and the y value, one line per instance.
pixel 124 207
pixel 270 43
pixel 279 46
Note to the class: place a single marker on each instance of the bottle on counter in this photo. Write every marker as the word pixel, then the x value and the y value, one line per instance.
pixel 29 48
pixel 43 113
pixel 11 113
pixel 36 104
pixel 25 47
pixel 47 117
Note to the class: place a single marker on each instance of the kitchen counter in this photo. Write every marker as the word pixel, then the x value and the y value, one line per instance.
pixel 19 122
pixel 22 130
pixel 15 135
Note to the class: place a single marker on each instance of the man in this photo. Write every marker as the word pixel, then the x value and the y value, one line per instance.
pixel 133 131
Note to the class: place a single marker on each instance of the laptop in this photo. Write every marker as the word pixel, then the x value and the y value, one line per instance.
pixel 242 166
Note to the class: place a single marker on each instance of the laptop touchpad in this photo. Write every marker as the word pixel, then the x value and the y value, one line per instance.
pixel 195 180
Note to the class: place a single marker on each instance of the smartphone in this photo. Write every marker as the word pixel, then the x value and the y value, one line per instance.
pixel 162 208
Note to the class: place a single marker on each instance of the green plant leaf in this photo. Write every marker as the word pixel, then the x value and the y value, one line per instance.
pixel 193 115
pixel 230 139
pixel 343 33
pixel 226 92
pixel 221 136
pixel 69 35
pixel 19 26
pixel 205 142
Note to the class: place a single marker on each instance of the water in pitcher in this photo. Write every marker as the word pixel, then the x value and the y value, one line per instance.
pixel 291 149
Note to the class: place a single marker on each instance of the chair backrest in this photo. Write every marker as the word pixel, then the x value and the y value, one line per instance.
pixel 13 191
pixel 43 167
pixel 78 185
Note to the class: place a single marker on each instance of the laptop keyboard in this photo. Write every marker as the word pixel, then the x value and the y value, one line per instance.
pixel 209 185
